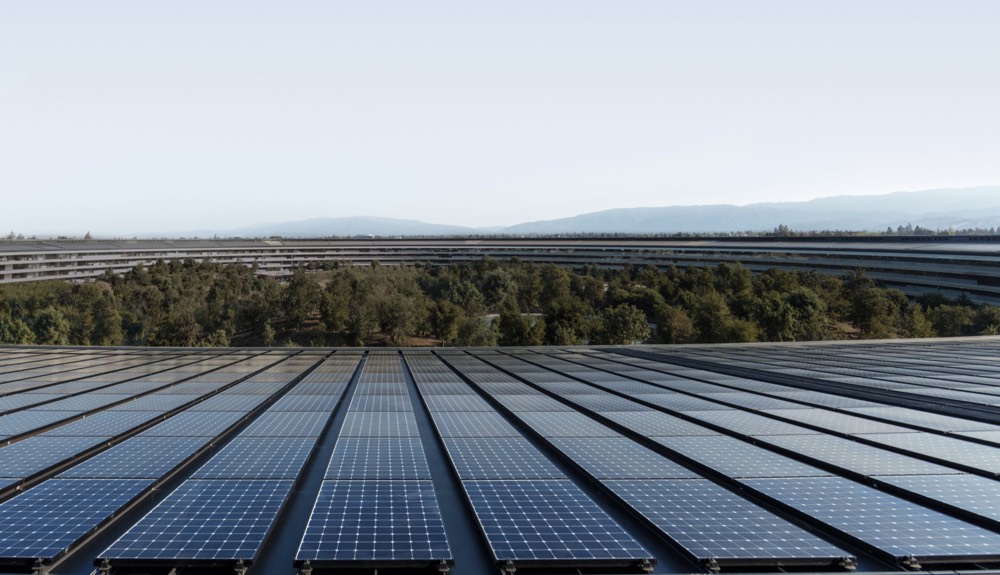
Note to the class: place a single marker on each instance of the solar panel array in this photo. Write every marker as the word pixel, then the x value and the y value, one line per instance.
pixel 145 460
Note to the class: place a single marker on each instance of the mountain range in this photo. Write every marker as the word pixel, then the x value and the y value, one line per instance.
pixel 962 208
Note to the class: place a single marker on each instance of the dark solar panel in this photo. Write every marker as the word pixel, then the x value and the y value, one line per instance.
pixel 654 423
pixel 195 424
pixel 287 424
pixel 547 521
pixel 380 424
pixel 746 423
pixel 375 521
pixel 104 424
pixel 381 403
pixel 371 458
pixel 565 424
pixel 28 457
pixel 856 457
pixel 23 421
pixel 681 402
pixel 84 402
pixel 456 403
pixel 156 402
pixel 927 420
pixel 735 458
pixel 896 527
pixel 972 493
pixel 258 458
pixel 230 402
pixel 712 523
pixel 138 457
pixel 619 458
pixel 205 519
pixel 839 422
pixel 472 424
pixel 314 402
pixel 518 403
pixel 946 449
pixel 499 458
pixel 604 403
pixel 43 521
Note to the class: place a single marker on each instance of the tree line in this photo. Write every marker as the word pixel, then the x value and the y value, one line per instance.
pixel 485 303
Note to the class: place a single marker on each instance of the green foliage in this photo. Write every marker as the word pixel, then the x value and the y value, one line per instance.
pixel 188 303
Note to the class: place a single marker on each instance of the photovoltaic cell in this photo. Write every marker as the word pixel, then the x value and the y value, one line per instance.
pixel 258 458
pixel 519 403
pixel 379 424
pixel 372 458
pixel 230 402
pixel 293 402
pixel 972 493
pixel 892 525
pixel 839 422
pixel 946 449
pixel 24 421
pixel 287 424
pixel 456 403
pixel 547 521
pixel 619 458
pixel 712 523
pixel 650 423
pixel 565 424
pixel 43 521
pixel 138 458
pixel 737 459
pixel 195 424
pixel 746 423
pixel 34 454
pixel 499 458
pixel 207 519
pixel 104 424
pixel 375 521
pixel 472 424
pixel 856 457
pixel 603 403
pixel 381 403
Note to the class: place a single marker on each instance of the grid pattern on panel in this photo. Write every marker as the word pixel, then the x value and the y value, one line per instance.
pixel 220 519
pixel 456 403
pixel 258 458
pixel 681 402
pixel 11 402
pixel 839 422
pixel 85 402
pixel 379 424
pixel 195 424
pixel 472 424
pixel 654 423
pixel 318 388
pixel 371 458
pixel 442 388
pixel 138 457
pixel 714 523
pixel 34 454
pixel 156 402
pixel 924 419
pixel 519 403
pixel 287 424
pixel 307 402
pixel 227 401
pixel 375 520
pixel 978 495
pixel 24 421
pixel 394 385
pixel 45 520
pixel 953 449
pixel 603 403
pixel 499 458
pixel 856 457
pixel 619 458
pixel 748 400
pixel 547 520
pixel 104 424
pixel 565 424
pixel 377 402
pixel 746 423
pixel 735 458
pixel 891 524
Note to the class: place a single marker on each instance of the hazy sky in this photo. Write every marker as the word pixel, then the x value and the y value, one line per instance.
pixel 133 116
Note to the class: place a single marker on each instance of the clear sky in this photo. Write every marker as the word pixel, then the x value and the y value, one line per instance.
pixel 128 116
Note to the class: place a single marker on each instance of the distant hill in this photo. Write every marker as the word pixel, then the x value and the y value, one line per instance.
pixel 933 209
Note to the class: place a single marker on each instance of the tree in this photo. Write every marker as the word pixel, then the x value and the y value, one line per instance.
pixel 445 320
pixel 50 327
pixel 15 331
pixel 621 325
pixel 301 296
pixel 476 332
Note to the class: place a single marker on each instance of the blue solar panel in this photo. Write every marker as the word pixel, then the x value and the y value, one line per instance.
pixel 948 450
pixel 713 524
pixel 230 402
pixel 374 458
pixel 462 402
pixel 499 458
pixel 381 403
pixel 24 421
pixel 379 424
pixel 565 424
pixel 43 521
pixel 259 458
pixel 104 424
pixel 735 458
pixel 472 424
pixel 619 458
pixel 294 402
pixel 34 454
pixel 195 424
pixel 548 521
pixel 287 424
pixel 138 457
pixel 375 521
pixel 206 519
pixel 856 457
pixel 895 527
pixel 972 493
pixel 653 423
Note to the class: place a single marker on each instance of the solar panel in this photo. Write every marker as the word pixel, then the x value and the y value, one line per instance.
pixel 499 458
pixel 24 421
pixel 104 424
pixel 472 424
pixel 230 402
pixel 518 403
pixel 457 403
pixel 442 387
pixel 547 521
pixel 714 524
pixel 138 457
pixel 896 527
pixel 156 402
pixel 258 458
pixel 205 519
pixel 293 402
pixel 839 422
pixel 856 457
pixel 603 403
pixel 43 521
pixel 370 458
pixel 195 424
pixel 565 424
pixel 735 458
pixel 971 493
pixel 35 454
pixel 369 521
pixel 681 402
pixel 654 423
pixel 926 420
pixel 381 403
pixel 379 424
pixel 321 388
pixel 287 424
pixel 945 449
pixel 619 458
pixel 746 423
pixel 85 402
